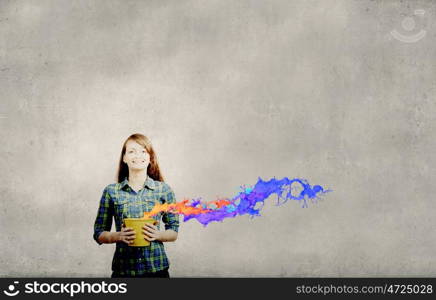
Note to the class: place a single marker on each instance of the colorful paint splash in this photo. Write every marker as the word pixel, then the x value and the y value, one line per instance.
pixel 247 202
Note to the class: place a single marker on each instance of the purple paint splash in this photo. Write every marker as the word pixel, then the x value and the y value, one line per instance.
pixel 252 199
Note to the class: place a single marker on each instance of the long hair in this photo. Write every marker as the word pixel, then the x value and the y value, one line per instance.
pixel 153 170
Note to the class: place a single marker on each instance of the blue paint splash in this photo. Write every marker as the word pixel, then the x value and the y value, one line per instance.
pixel 251 199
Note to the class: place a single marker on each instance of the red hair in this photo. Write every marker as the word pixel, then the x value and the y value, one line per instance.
pixel 153 170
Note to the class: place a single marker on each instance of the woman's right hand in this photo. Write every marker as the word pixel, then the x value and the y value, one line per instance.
pixel 126 235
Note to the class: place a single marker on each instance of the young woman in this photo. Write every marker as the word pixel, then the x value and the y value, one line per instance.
pixel 140 186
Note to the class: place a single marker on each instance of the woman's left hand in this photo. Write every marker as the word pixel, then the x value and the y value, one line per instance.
pixel 151 232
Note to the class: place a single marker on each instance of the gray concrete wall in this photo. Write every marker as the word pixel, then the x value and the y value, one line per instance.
pixel 227 91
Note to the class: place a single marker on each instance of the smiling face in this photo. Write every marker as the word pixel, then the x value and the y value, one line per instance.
pixel 136 156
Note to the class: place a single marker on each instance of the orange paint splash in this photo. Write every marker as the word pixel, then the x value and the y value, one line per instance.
pixel 185 209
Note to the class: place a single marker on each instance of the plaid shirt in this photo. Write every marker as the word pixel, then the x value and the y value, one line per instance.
pixel 120 201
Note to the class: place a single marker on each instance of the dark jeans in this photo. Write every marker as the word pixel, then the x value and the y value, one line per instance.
pixel 159 274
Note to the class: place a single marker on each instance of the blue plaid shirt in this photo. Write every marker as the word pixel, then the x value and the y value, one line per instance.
pixel 120 201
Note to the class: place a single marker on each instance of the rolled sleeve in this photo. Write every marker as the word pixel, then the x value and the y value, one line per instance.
pixel 103 221
pixel 170 220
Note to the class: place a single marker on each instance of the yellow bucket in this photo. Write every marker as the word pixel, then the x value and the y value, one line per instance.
pixel 137 225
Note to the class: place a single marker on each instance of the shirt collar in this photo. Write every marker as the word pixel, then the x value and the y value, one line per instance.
pixel 149 183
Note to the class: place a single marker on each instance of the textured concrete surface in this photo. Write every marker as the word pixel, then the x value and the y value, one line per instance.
pixel 227 91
